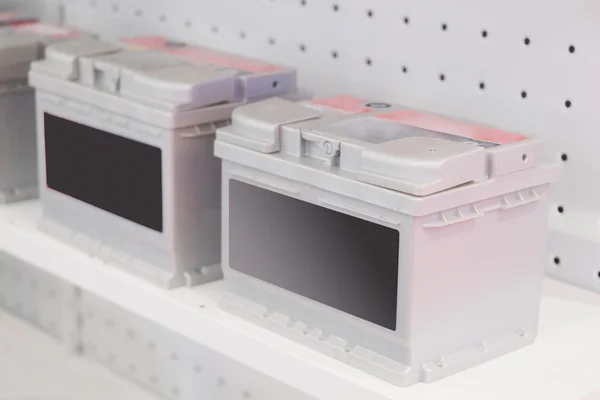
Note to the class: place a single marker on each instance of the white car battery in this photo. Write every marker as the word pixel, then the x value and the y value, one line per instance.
pixel 127 165
pixel 408 245
pixel 20 43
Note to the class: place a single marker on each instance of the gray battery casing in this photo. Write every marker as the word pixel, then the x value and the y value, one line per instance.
pixel 169 103
pixel 467 216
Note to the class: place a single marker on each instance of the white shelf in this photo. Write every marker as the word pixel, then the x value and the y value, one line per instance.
pixel 34 366
pixel 562 365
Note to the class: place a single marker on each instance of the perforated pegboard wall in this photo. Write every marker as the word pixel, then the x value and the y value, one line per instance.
pixel 525 66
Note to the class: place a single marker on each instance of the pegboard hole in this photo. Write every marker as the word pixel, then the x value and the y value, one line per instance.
pixel 527 41
pixel 564 157
pixel 174 357
pixel 275 84
pixel 162 18
pixel 484 33
pixel 303 48
pixel 214 29
pixel 556 261
pixel 404 69
pixel 272 41
pixel 568 104
pixel 138 13
pixel 406 20
pixel 432 150
pixel 197 369
pixel 598 274
pixel 368 61
pixel 115 8
pixel 442 77
pixel 523 94
pixel 571 49
pixel 189 23
pixel 560 209
pixel 336 7
pixel 444 27
pixel 303 3
pixel 482 85
pixel 246 395
pixel 334 54
pixel 221 382
pixel 370 13
pixel 243 35
pixel 524 157
pixel 93 3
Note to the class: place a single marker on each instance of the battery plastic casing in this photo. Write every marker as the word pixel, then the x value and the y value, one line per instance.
pixel 166 100
pixel 467 205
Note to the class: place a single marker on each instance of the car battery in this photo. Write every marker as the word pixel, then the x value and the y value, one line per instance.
pixel 20 43
pixel 127 166
pixel 406 244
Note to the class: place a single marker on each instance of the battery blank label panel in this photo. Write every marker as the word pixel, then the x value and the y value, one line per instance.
pixel 336 259
pixel 111 172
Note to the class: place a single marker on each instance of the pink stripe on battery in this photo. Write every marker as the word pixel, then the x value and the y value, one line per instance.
pixel 148 42
pixel 48 30
pixel 202 56
pixel 7 16
pixel 344 103
pixel 452 127
pixel 205 56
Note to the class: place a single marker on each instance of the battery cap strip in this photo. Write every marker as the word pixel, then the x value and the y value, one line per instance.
pixel 199 55
pixel 450 126
pixel 343 103
pixel 421 165
pixel 46 30
pixel 253 78
pixel 257 126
